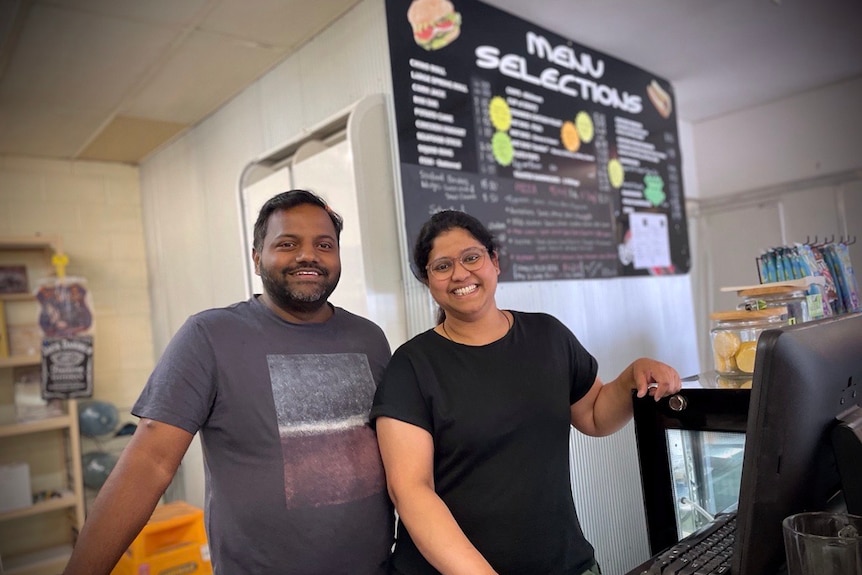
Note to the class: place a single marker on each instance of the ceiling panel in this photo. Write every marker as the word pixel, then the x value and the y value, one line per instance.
pixel 170 13
pixel 45 131
pixel 80 60
pixel 127 140
pixel 199 77
pixel 285 23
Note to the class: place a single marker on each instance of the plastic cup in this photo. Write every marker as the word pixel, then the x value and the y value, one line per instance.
pixel 820 543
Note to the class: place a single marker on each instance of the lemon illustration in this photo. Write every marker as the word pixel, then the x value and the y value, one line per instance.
pixel 585 127
pixel 500 114
pixel 501 146
pixel 616 173
pixel 569 136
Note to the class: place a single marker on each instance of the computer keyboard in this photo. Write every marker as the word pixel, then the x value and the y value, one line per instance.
pixel 707 551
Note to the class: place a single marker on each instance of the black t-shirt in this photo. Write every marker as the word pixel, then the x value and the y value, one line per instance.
pixel 500 418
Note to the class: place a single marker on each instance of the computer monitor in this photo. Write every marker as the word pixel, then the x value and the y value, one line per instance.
pixel 805 377
pixel 764 443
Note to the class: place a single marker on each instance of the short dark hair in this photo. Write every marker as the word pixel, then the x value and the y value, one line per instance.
pixel 285 201
pixel 443 222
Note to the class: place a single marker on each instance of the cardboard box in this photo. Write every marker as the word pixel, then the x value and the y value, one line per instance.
pixel 173 541
pixel 15 486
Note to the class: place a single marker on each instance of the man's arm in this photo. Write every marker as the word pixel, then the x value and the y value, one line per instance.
pixel 127 499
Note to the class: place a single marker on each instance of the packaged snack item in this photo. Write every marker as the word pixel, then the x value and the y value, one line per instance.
pixel 765 297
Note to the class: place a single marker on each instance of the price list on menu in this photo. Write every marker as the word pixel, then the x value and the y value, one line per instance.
pixel 568 156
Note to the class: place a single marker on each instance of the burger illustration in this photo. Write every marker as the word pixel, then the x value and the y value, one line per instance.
pixel 435 23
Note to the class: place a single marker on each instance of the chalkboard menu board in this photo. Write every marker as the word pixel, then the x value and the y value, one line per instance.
pixel 570 156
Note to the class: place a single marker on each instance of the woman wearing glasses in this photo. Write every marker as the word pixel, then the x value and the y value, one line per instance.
pixel 473 420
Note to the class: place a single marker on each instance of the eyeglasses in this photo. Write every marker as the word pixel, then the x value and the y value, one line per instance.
pixel 471 259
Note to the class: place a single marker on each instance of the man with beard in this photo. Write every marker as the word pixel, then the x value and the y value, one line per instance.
pixel 279 388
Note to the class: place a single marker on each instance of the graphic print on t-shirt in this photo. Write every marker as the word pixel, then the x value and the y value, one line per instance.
pixel 330 452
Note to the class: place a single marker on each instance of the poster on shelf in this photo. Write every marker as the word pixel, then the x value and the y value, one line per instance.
pixel 66 323
pixel 66 308
pixel 569 156
pixel 67 367
pixel 13 279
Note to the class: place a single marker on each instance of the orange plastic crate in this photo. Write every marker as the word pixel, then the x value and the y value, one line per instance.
pixel 173 542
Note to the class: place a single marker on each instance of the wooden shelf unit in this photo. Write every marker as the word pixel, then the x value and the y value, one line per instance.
pixel 12 429
pixel 19 360
pixel 64 511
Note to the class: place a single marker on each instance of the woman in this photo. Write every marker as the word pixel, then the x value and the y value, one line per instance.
pixel 473 420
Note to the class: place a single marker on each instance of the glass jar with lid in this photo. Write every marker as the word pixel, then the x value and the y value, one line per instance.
pixel 765 297
pixel 734 338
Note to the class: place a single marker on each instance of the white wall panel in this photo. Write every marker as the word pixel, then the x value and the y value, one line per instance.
pixel 618 320
pixel 802 137
pixel 280 104
pixel 220 159
pixel 174 224
pixel 347 61
pixel 608 495
pixel 850 207
pixel 815 214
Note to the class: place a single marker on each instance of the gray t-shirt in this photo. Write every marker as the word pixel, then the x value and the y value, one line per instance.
pixel 294 480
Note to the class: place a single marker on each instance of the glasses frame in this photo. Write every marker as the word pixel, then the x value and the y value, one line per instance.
pixel 470 267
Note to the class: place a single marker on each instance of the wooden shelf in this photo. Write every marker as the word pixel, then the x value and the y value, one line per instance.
pixel 26 296
pixel 19 360
pixel 46 243
pixel 45 562
pixel 67 501
pixel 34 426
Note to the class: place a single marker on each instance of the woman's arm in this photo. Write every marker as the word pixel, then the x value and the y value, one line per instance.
pixel 408 458
pixel 607 407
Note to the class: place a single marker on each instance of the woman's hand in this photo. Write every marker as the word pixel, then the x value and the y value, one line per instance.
pixel 654 378
pixel 608 407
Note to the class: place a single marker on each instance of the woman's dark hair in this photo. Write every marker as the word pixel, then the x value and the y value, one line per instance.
pixel 285 201
pixel 443 222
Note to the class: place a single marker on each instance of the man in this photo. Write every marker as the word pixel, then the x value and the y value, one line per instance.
pixel 279 388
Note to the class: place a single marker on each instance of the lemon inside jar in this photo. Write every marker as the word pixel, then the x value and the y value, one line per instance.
pixel 734 337
pixel 745 356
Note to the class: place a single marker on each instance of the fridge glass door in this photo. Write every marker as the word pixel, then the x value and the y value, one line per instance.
pixel 706 467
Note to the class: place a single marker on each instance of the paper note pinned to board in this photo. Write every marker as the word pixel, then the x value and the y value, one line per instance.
pixel 650 240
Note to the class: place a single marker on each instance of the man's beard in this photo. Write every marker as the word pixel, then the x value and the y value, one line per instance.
pixel 305 298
